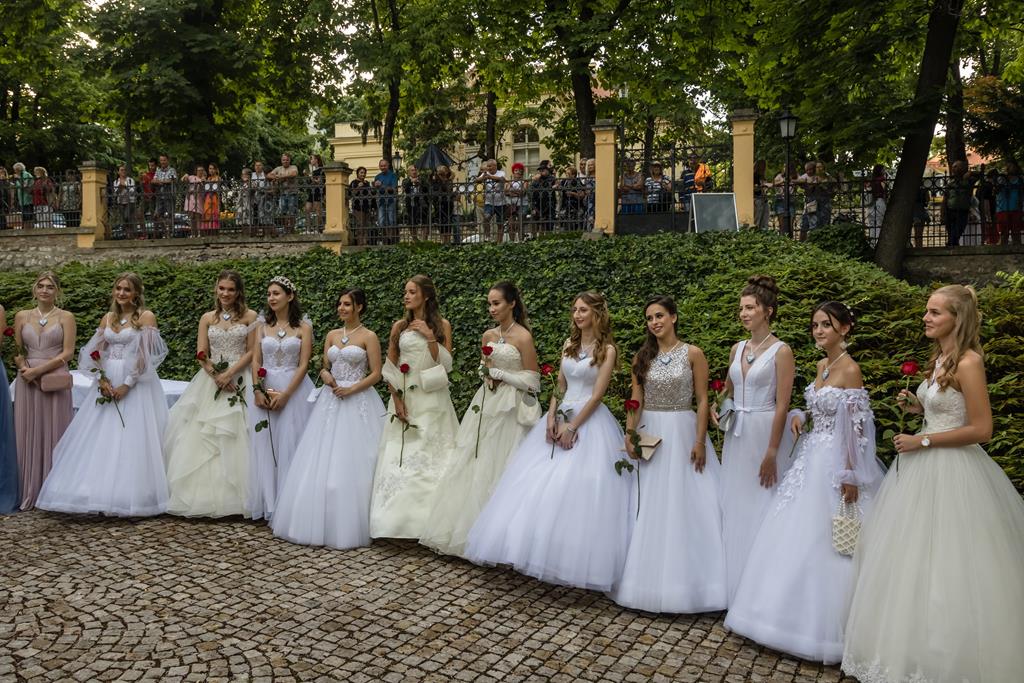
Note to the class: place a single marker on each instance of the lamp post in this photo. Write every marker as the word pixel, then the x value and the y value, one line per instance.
pixel 396 162
pixel 787 128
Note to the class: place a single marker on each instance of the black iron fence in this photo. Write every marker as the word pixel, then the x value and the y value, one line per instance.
pixel 40 201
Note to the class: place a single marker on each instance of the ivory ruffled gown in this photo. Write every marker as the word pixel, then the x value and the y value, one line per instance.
pixel 939 568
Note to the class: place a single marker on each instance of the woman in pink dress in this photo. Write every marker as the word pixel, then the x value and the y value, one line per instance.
pixel 46 337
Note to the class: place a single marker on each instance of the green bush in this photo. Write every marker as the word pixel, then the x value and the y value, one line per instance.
pixel 704 273
pixel 844 239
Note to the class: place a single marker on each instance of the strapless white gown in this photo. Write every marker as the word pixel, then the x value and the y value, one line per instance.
pixel 325 500
pixel 939 569
pixel 207 440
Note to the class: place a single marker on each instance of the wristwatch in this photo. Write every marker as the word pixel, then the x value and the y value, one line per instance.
pixel 926 442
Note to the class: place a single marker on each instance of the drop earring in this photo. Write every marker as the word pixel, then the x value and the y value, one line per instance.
pixel 844 345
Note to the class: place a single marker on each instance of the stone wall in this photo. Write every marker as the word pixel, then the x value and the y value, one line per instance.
pixel 39 249
pixel 964 265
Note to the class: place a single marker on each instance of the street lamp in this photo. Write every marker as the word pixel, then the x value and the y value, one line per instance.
pixel 396 162
pixel 787 129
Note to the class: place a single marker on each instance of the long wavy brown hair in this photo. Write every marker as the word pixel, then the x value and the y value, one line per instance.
pixel 962 302
pixel 238 308
pixel 649 349
pixel 139 299
pixel 602 329
pixel 431 308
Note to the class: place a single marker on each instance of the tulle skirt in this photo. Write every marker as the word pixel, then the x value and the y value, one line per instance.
pixel 744 501
pixel 565 520
pixel 8 452
pixel 939 574
pixel 100 466
pixel 676 560
pixel 325 499
pixel 464 491
pixel 273 447
pixel 207 451
pixel 793 593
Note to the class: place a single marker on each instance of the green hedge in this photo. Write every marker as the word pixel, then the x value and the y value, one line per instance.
pixel 703 272
pixel 844 239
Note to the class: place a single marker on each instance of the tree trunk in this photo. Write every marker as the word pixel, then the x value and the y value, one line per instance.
pixel 583 96
pixel 390 118
pixel 648 143
pixel 956 147
pixel 938 48
pixel 491 127
pixel 128 144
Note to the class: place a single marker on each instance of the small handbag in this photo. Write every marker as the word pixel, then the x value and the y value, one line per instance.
pixel 648 444
pixel 846 527
pixel 811 206
pixel 58 379
pixel 434 378
pixel 726 415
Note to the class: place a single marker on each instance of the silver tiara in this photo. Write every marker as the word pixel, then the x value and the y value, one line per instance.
pixel 284 282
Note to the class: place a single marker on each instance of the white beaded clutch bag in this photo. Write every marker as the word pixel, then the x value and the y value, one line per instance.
pixel 846 527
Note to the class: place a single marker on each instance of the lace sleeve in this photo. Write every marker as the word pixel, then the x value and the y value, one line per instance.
pixel 96 344
pixel 855 461
pixel 255 324
pixel 144 356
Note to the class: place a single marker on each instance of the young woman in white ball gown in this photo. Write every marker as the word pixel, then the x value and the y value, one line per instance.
pixel 795 588
pixel 676 560
pixel 418 441
pixel 756 446
pixel 110 459
pixel 282 348
pixel 325 499
pixel 560 513
pixel 504 408
pixel 939 588
pixel 206 444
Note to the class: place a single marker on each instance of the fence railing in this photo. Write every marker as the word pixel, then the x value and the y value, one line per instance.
pixel 40 203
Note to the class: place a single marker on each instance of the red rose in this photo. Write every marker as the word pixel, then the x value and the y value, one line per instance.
pixel 95 355
pixel 487 349
pixel 404 368
pixel 200 355
pixel 717 385
pixel 632 404
pixel 910 368
pixel 261 373
pixel 8 331
pixel 546 369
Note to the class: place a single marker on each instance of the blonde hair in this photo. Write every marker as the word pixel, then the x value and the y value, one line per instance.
pixel 962 302
pixel 52 277
pixel 602 329
pixel 140 300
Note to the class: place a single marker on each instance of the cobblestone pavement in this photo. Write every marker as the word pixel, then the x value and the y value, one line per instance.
pixel 93 599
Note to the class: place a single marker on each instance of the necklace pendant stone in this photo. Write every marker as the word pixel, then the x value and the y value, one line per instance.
pixel 750 358
pixel 123 321
pixel 225 316
pixel 280 334
pixel 344 340
pixel 825 373
pixel 42 322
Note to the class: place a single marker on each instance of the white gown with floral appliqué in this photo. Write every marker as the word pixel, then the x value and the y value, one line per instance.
pixel 207 439
pixel 939 569
pixel 325 500
pixel 410 466
pixel 794 590
pixel 100 465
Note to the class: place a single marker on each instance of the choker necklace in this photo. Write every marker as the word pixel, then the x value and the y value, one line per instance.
pixel 666 358
pixel 749 355
pixel 345 332
pixel 827 371
pixel 502 333
pixel 43 319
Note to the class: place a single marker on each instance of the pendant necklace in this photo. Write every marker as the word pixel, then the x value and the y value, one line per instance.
pixel 749 355
pixel 345 332
pixel 828 368
pixel 225 316
pixel 666 358
pixel 281 334
pixel 584 352
pixel 502 333
pixel 122 322
pixel 43 319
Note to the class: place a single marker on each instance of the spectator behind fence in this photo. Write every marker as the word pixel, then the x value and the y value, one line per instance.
pixel 386 184
pixel 243 202
pixel 702 180
pixel 22 181
pixel 417 205
pixel 542 198
pixel 761 186
pixel 878 187
pixel 957 201
pixel 589 186
pixel 443 194
pixel 210 222
pixel 583 168
pixel 808 181
pixel 493 180
pixel 284 178
pixel 71 198
pixel 123 204
pixel 364 205
pixel 5 197
pixel 658 189
pixel 987 204
pixel 515 197
pixel 262 198
pixel 920 215
pixel 784 211
pixel 164 179
pixel 148 194
pixel 44 198
pixel 315 196
pixel 573 199
pixel 194 199
pixel 1009 211
pixel 631 187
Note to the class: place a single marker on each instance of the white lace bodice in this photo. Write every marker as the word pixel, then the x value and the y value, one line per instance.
pixel 227 344
pixel 943 409
pixel 505 357
pixel 281 354
pixel 669 381
pixel 580 376
pixel 348 364
pixel 118 342
pixel 756 392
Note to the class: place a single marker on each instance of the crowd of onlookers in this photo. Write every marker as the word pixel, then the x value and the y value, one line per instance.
pixel 35 200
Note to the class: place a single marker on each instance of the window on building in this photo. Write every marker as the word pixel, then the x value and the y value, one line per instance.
pixel 526 147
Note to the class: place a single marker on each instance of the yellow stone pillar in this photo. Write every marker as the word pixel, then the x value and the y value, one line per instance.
pixel 336 204
pixel 604 176
pixel 94 210
pixel 742 121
